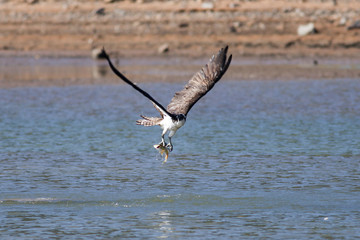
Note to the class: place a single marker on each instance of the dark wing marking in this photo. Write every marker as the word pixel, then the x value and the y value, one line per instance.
pixel 201 83
pixel 120 75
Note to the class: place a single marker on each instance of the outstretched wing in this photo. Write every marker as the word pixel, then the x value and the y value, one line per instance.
pixel 158 106
pixel 201 83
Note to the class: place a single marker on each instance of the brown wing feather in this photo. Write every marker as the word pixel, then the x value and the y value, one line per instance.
pixel 201 83
pixel 148 121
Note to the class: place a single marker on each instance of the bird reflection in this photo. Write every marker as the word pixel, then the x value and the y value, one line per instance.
pixel 164 223
pixel 98 71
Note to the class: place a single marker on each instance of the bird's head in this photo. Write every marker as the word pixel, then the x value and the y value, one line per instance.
pixel 180 117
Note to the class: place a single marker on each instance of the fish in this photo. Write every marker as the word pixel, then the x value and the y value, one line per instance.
pixel 163 150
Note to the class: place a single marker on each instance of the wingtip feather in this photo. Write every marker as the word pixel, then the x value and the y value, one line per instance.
pixel 226 48
pixel 103 53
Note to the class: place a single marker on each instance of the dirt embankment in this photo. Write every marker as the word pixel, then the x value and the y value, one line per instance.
pixel 258 27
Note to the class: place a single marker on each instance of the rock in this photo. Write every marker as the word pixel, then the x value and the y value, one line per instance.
pixel 163 48
pixel 233 29
pixel 234 5
pixel 261 26
pixel 97 53
pixel 207 5
pixel 31 1
pixel 100 12
pixel 237 24
pixel 183 25
pixel 290 44
pixel 355 25
pixel 306 29
pixel 342 21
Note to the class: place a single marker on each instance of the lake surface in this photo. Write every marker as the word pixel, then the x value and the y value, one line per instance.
pixel 255 160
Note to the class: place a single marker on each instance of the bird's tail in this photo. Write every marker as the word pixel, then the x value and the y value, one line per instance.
pixel 148 121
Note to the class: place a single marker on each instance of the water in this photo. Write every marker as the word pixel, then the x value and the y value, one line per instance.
pixel 255 160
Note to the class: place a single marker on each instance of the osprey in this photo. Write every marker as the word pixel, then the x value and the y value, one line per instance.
pixel 174 116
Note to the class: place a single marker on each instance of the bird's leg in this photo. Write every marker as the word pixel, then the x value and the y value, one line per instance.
pixel 163 143
pixel 169 145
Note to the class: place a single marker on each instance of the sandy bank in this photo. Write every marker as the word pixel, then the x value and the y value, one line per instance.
pixel 190 28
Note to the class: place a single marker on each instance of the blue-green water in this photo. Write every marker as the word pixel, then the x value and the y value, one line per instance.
pixel 255 160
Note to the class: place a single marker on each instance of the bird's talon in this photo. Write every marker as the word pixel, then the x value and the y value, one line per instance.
pixel 169 146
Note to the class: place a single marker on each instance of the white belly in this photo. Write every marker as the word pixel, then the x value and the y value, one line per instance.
pixel 169 125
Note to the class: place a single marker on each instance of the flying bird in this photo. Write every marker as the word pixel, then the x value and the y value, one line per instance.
pixel 174 116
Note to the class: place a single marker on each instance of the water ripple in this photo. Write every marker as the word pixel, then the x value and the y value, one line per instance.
pixel 256 159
